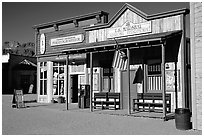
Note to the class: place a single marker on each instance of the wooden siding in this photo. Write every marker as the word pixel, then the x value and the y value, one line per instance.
pixel 158 25
pixel 166 24
pixel 196 63
pixel 154 83
pixel 57 34
pixel 128 15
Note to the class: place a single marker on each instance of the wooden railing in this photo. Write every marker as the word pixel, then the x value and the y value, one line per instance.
pixel 154 83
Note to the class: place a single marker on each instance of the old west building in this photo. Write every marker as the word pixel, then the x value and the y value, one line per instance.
pixel 196 62
pixel 90 47
pixel 18 72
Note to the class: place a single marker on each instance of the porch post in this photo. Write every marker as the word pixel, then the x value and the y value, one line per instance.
pixel 91 80
pixel 144 80
pixel 67 78
pixel 163 81
pixel 128 80
pixel 176 92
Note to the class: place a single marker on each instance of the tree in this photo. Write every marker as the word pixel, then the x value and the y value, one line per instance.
pixel 25 49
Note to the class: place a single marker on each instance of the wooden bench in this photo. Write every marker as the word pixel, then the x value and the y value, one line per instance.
pixel 106 100
pixel 151 102
pixel 99 99
pixel 113 100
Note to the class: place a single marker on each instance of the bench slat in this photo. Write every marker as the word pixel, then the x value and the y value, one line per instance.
pixel 106 100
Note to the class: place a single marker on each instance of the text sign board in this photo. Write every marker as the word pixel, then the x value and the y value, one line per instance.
pixel 18 96
pixel 42 43
pixel 129 28
pixel 77 56
pixel 67 40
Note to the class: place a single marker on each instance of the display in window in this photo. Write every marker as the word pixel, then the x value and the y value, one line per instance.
pixel 58 78
pixel 54 89
pixel 61 87
pixel 154 69
pixel 61 76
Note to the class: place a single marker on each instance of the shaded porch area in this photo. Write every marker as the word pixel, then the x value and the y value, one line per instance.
pixel 161 47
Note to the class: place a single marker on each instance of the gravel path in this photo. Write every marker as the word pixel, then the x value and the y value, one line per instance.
pixel 52 119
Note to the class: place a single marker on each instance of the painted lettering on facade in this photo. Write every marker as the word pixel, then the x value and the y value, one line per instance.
pixel 42 43
pixel 67 40
pixel 129 28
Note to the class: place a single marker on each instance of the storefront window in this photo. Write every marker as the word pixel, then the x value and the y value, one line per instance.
pixel 108 80
pixel 43 78
pixel 58 78
pixel 154 69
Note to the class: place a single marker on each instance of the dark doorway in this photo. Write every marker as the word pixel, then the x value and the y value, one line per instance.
pixel 5 79
pixel 74 88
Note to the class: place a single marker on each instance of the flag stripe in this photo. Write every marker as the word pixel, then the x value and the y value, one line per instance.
pixel 118 62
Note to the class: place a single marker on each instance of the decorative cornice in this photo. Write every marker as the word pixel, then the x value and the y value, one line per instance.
pixel 140 13
pixel 70 20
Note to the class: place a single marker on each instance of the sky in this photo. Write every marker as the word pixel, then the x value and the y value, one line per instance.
pixel 18 18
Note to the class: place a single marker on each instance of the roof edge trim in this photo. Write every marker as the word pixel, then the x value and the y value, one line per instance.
pixel 140 13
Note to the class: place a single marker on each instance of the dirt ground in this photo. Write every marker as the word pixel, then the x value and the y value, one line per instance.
pixel 53 119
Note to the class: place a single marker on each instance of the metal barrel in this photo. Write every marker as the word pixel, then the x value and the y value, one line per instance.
pixel 183 118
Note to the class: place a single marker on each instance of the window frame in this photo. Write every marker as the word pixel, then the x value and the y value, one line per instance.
pixel 43 78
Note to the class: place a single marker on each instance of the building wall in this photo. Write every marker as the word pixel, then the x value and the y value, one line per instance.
pixel 12 76
pixel 57 49
pixel 158 25
pixel 196 62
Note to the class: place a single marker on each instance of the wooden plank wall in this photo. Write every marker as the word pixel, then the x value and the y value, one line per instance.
pixel 128 16
pixel 158 25
pixel 56 34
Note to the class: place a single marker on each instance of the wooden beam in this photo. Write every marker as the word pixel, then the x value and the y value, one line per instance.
pixel 105 18
pixel 98 18
pixel 76 23
pixel 184 80
pixel 56 27
pixel 91 80
pixel 128 80
pixel 163 81
pixel 67 78
pixel 70 20
pixel 176 92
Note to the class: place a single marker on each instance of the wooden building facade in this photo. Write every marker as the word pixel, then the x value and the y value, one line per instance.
pixel 71 53
pixel 196 63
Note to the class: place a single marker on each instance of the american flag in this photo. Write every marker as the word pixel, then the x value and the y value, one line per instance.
pixel 119 60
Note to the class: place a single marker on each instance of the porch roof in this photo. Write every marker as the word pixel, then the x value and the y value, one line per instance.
pixel 147 43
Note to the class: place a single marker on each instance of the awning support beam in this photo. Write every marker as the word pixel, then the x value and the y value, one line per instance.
pixel 176 92
pixel 163 81
pixel 91 80
pixel 67 78
pixel 128 79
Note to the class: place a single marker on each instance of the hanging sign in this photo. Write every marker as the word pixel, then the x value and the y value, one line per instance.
pixel 129 28
pixel 67 40
pixel 42 43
